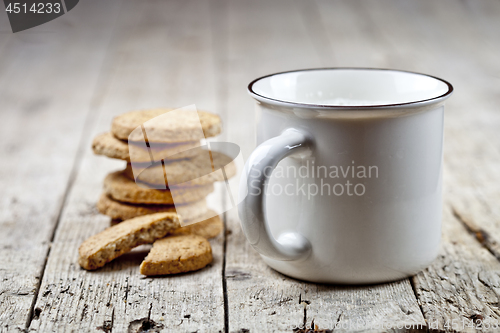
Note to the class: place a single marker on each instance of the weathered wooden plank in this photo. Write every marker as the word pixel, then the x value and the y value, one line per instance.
pixel 260 41
pixel 44 105
pixel 474 193
pixel 162 56
pixel 117 295
pixel 473 190
pixel 459 290
pixel 260 299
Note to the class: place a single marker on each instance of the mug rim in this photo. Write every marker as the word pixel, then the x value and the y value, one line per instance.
pixel 417 103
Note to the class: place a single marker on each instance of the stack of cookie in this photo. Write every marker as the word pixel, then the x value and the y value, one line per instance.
pixel 167 171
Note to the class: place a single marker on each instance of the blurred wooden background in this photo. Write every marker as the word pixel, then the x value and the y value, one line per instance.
pixel 61 83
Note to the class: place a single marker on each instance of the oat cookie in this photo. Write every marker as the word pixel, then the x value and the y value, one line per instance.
pixel 122 188
pixel 203 169
pixel 177 254
pixel 208 228
pixel 108 145
pixel 124 211
pixel 114 241
pixel 178 127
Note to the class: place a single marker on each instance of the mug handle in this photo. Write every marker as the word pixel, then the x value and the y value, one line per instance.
pixel 258 168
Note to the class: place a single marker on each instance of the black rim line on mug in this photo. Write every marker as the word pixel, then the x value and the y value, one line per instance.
pixel 350 107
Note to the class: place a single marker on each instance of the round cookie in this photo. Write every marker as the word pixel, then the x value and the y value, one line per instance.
pixel 124 211
pixel 177 127
pixel 108 145
pixel 177 254
pixel 121 188
pixel 208 228
pixel 193 172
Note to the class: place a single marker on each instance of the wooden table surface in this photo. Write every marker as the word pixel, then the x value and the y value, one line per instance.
pixel 61 83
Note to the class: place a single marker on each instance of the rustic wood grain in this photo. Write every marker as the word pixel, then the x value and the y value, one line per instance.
pixel 180 53
pixel 162 56
pixel 45 100
pixel 460 290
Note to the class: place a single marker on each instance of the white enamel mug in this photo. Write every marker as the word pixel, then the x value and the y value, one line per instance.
pixel 345 185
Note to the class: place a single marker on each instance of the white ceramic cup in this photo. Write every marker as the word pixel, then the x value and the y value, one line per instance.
pixel 345 185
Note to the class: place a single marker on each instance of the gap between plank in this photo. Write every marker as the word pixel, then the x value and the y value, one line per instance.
pixel 218 16
pixel 481 236
pixel 412 284
pixel 224 281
